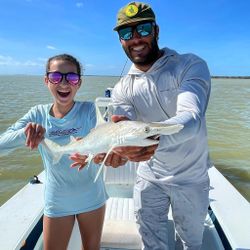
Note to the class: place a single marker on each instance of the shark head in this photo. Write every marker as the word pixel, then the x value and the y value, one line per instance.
pixel 145 134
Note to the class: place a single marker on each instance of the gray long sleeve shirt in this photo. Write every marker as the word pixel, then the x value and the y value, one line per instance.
pixel 175 89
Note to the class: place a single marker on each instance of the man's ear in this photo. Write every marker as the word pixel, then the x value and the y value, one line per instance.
pixel 157 29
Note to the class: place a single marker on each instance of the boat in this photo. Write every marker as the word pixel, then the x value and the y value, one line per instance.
pixel 227 224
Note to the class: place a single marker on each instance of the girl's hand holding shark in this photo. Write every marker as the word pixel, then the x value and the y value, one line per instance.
pixel 34 134
pixel 79 160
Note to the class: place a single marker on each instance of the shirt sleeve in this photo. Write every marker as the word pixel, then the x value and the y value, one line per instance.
pixel 120 101
pixel 192 101
pixel 14 136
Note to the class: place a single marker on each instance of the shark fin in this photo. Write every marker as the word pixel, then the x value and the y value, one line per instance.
pixel 72 138
pixel 53 150
pixel 102 165
pixel 57 157
pixel 89 159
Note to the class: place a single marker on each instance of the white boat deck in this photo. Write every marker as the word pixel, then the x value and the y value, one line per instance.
pixel 21 213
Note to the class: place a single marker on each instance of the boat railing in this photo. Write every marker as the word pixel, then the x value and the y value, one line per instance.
pixel 230 212
pixel 20 217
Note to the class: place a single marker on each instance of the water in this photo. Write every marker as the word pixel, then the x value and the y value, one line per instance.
pixel 228 120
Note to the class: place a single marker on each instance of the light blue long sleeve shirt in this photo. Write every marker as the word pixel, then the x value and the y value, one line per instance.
pixel 175 89
pixel 67 190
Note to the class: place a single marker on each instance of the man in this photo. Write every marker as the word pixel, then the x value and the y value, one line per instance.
pixel 164 86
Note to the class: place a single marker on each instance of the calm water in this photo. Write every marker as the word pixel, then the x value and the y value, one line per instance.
pixel 228 120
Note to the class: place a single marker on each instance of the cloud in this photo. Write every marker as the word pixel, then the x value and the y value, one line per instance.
pixel 50 47
pixel 32 63
pixel 42 59
pixel 9 61
pixel 90 65
pixel 79 4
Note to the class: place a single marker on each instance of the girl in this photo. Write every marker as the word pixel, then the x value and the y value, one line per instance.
pixel 69 194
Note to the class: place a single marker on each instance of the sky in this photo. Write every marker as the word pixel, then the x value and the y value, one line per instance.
pixel 31 31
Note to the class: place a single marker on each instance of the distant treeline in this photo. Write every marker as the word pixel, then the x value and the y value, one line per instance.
pixel 226 77
pixel 232 77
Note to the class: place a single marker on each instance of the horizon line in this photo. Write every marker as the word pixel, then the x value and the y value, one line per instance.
pixel 212 76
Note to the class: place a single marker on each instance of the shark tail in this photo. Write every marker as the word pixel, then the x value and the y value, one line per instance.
pixel 53 149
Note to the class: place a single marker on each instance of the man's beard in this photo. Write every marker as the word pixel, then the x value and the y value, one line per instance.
pixel 149 59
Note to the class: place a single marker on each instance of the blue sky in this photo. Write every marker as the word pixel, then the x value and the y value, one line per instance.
pixel 33 30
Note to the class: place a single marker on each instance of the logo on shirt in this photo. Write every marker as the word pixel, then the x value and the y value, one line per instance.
pixel 63 132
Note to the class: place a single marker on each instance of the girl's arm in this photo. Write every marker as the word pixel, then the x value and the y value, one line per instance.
pixel 24 131
pixel 11 139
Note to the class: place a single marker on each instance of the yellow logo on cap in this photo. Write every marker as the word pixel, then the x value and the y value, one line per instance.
pixel 131 10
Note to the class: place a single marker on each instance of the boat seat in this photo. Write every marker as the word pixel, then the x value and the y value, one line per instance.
pixel 120 229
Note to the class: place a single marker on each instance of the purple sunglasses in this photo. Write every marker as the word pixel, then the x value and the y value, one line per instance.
pixel 57 77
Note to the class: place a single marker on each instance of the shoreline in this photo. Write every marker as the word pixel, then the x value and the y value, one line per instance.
pixel 214 77
pixel 230 77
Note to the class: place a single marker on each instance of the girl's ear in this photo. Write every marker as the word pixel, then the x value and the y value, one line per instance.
pixel 46 81
pixel 80 83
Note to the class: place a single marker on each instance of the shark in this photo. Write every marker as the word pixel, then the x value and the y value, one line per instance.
pixel 108 135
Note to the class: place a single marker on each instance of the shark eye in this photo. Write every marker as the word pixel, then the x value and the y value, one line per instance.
pixel 146 129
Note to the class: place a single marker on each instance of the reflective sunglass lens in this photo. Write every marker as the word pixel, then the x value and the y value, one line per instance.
pixel 144 29
pixel 55 77
pixel 73 78
pixel 126 33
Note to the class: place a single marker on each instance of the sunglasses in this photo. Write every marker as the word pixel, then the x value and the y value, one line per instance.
pixel 142 29
pixel 57 77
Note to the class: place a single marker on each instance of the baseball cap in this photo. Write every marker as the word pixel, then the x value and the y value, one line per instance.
pixel 134 12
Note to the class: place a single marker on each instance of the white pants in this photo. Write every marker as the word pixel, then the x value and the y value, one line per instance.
pixel 189 208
